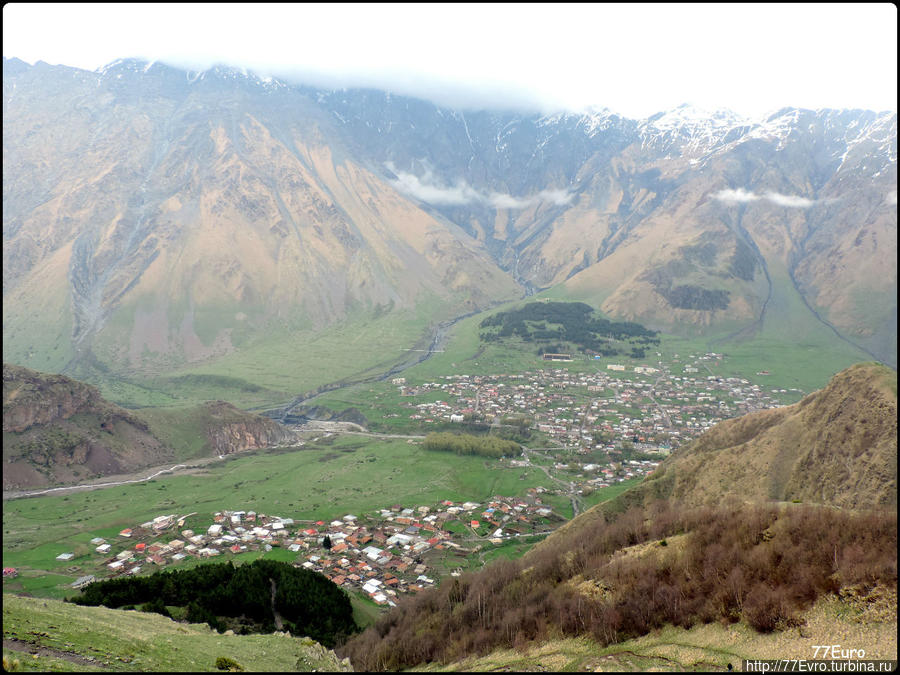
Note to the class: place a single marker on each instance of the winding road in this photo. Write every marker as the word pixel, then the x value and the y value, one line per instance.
pixel 122 479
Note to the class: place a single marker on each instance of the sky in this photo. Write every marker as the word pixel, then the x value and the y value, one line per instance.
pixel 633 59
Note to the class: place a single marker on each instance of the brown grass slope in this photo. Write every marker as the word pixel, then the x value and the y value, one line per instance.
pixel 761 566
pixel 838 446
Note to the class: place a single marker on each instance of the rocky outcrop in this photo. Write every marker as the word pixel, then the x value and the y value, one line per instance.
pixel 59 430
pixel 231 430
pixel 31 398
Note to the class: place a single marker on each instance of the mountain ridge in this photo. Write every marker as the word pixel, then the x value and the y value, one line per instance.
pixel 836 447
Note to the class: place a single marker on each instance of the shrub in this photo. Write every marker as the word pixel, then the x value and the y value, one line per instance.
pixel 224 663
pixel 11 664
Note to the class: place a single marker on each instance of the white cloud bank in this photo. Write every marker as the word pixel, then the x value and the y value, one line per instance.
pixel 741 196
pixel 429 190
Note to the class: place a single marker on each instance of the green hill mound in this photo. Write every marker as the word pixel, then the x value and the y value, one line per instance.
pixel 67 637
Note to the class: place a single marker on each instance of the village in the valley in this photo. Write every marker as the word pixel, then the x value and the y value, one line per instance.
pixel 391 551
pixel 655 409
pixel 595 429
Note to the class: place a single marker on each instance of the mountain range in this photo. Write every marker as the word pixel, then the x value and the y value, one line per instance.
pixel 159 222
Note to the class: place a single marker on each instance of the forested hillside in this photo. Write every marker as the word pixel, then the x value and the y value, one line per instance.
pixel 256 597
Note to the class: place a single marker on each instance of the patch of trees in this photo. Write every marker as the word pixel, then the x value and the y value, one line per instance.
pixel 572 322
pixel 743 262
pixel 685 296
pixel 694 297
pixel 466 444
pixel 309 604
pixel 763 565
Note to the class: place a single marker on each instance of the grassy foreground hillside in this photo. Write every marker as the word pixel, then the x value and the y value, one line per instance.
pixel 710 647
pixel 68 637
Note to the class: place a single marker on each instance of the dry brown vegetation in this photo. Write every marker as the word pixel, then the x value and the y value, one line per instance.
pixel 760 564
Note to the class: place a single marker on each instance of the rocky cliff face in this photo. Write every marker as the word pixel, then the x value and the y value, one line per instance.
pixel 31 398
pixel 230 430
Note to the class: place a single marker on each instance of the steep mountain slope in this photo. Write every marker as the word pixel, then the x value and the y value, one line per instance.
pixel 837 447
pixel 155 218
pixel 687 221
pixel 160 221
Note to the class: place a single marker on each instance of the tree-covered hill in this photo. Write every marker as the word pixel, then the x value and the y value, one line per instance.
pixel 305 602
pixel 553 324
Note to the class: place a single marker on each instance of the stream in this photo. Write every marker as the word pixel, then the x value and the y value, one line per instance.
pixel 415 356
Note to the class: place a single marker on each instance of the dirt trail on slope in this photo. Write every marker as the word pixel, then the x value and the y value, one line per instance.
pixel 279 624
pixel 29 648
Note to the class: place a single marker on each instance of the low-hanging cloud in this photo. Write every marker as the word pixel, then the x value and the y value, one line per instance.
pixel 428 189
pixel 741 196
pixel 789 200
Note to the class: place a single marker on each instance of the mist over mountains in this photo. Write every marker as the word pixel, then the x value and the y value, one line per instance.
pixel 156 218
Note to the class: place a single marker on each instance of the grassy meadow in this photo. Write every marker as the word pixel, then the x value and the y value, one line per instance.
pixel 266 369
